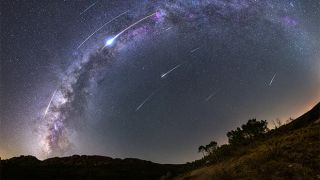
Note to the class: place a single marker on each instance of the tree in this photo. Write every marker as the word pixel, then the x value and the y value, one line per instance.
pixel 251 129
pixel 236 136
pixel 211 147
pixel 254 128
pixel 202 149
pixel 277 123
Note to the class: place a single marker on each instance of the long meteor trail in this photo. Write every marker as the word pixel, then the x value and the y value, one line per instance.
pixel 168 72
pixel 102 27
pixel 110 41
pixel 46 111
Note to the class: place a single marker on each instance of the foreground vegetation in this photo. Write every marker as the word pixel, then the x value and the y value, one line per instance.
pixel 291 151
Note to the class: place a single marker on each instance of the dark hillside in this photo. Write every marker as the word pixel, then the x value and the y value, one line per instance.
pixel 84 167
pixel 291 151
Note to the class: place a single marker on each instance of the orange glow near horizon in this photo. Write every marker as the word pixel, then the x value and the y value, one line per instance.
pixel 306 108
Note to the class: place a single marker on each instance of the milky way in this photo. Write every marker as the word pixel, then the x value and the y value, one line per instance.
pixel 149 73
pixel 185 15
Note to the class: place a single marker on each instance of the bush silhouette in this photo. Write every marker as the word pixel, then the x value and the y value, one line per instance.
pixel 248 131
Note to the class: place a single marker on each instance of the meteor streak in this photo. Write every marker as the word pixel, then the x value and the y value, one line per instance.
pixel 275 74
pixel 102 27
pixel 88 7
pixel 143 102
pixel 110 41
pixel 168 72
pixel 194 50
pixel 210 96
pixel 168 28
pixel 46 111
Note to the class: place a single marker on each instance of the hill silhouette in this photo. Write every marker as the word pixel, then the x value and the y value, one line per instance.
pixel 84 167
pixel 291 151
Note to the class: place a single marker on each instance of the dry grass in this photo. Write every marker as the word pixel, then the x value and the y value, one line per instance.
pixel 294 155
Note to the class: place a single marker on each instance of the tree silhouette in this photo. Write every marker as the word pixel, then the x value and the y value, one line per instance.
pixel 202 149
pixel 254 128
pixel 211 147
pixel 236 136
pixel 250 130
pixel 240 136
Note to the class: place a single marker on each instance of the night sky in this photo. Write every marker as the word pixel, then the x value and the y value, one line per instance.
pixel 150 79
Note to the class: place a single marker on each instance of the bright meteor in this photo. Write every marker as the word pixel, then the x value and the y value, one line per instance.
pixel 101 28
pixel 46 111
pixel 168 72
pixel 109 42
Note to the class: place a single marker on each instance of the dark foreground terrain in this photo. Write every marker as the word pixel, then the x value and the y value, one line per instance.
pixel 84 167
pixel 291 151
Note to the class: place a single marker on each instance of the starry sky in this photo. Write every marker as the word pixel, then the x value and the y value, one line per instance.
pixel 150 79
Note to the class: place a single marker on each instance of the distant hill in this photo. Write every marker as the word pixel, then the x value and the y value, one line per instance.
pixel 291 151
pixel 84 167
